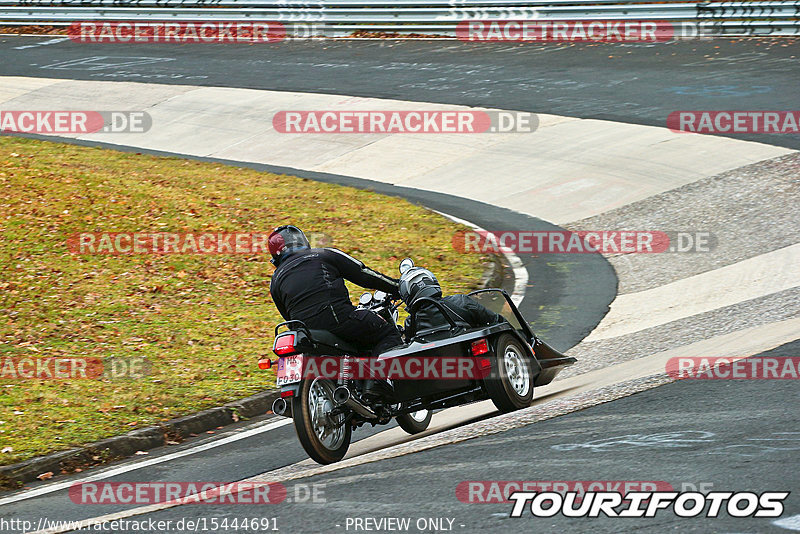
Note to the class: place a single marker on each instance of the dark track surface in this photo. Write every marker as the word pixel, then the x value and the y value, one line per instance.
pixel 718 440
pixel 574 300
pixel 567 294
pixel 640 84
pixel 634 83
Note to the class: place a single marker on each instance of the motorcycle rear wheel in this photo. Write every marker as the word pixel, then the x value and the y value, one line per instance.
pixel 324 437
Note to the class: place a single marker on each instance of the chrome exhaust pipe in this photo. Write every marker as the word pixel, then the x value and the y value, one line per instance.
pixel 279 406
pixel 342 396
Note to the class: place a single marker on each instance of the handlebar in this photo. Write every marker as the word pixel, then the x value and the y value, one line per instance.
pixel 391 302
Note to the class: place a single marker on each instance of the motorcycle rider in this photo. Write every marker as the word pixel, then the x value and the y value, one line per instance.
pixel 418 282
pixel 308 286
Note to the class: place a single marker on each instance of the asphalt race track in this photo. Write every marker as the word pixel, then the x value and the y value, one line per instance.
pixel 724 435
pixel 695 445
pixel 635 83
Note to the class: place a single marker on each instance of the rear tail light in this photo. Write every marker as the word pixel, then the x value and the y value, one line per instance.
pixel 288 393
pixel 284 345
pixel 264 363
pixel 480 347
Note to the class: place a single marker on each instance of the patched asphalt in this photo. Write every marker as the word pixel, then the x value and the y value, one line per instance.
pixel 739 214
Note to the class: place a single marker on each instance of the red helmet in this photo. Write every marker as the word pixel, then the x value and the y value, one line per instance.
pixel 286 240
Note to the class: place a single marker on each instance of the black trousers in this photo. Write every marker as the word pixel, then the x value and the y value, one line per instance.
pixel 364 328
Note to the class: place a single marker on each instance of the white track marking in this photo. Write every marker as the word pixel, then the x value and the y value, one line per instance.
pixel 748 279
pixel 681 173
pixel 104 62
pixel 296 471
pixel 623 158
pixel 791 523
pixel 520 272
pixel 50 488
pixel 741 343
pixel 521 280
pixel 520 284
pixel 42 43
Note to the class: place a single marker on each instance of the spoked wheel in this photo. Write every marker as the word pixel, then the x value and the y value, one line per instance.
pixel 325 437
pixel 510 384
pixel 415 422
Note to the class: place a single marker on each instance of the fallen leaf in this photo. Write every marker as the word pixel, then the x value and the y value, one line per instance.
pixel 45 476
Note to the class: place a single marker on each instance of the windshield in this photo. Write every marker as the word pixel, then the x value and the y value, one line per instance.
pixel 496 301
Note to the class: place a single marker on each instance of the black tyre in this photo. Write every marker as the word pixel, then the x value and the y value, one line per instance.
pixel 415 422
pixel 510 384
pixel 324 437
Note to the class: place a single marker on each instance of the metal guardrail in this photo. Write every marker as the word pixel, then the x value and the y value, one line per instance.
pixel 768 17
pixel 291 4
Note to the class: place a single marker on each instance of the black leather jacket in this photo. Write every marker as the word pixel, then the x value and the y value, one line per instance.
pixel 463 309
pixel 309 286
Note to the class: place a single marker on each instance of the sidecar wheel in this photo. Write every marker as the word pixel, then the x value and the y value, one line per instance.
pixel 510 384
pixel 324 437
pixel 416 422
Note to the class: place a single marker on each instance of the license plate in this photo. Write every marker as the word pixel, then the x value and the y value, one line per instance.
pixel 290 369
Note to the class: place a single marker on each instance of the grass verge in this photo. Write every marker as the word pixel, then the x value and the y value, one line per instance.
pixel 200 321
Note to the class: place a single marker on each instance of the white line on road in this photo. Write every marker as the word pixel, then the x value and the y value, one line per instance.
pixel 520 272
pixel 259 428
pixel 520 284
pixel 300 470
pixel 42 43
pixel 791 523
pixel 568 395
